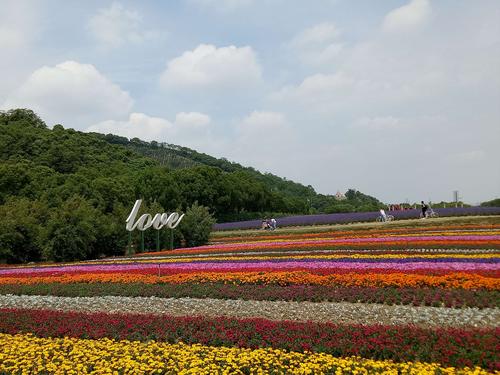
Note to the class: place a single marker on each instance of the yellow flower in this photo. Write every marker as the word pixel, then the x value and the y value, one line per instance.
pixel 25 353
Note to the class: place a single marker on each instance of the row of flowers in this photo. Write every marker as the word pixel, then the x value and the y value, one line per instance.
pixel 363 235
pixel 337 254
pixel 488 265
pixel 487 241
pixel 159 270
pixel 451 280
pixel 366 237
pixel 371 255
pixel 338 312
pixel 448 346
pixel 419 296
pixel 486 236
pixel 29 354
pixel 374 232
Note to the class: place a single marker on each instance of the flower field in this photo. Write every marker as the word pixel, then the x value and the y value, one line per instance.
pixel 413 300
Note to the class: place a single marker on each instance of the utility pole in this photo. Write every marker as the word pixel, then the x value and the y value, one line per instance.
pixel 455 197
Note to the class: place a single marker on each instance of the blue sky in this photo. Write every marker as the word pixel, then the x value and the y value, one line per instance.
pixel 399 99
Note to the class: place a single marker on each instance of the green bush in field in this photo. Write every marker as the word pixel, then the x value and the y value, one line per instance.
pixel 71 231
pixel 196 226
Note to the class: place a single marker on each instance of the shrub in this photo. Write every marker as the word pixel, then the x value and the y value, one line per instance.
pixel 196 226
pixel 71 231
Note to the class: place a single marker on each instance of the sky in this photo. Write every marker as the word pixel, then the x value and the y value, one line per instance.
pixel 399 99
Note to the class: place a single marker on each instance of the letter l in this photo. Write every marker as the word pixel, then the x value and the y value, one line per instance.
pixel 131 218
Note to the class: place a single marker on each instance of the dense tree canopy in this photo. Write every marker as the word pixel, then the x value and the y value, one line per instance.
pixel 65 194
pixel 492 203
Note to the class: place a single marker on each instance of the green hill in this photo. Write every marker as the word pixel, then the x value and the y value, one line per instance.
pixel 299 198
pixel 64 194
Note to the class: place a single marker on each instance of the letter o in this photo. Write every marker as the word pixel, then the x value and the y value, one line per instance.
pixel 144 222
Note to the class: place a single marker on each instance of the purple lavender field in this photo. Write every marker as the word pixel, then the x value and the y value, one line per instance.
pixel 356 217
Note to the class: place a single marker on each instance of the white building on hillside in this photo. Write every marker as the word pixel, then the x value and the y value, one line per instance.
pixel 340 196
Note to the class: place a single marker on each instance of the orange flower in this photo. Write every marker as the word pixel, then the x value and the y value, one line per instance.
pixel 453 280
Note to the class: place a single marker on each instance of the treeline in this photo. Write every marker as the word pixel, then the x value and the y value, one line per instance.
pixel 492 203
pixel 65 194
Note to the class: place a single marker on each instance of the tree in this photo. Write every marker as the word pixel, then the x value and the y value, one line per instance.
pixel 15 176
pixel 196 225
pixel 198 185
pixel 23 115
pixel 109 192
pixel 71 231
pixel 111 235
pixel 157 184
pixel 20 227
pixel 492 203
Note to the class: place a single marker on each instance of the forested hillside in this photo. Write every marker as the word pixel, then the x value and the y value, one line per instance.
pixel 65 194
pixel 176 157
pixel 299 198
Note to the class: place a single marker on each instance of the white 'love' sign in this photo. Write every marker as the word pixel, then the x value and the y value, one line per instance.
pixel 146 220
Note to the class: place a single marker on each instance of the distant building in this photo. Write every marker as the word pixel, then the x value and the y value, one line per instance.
pixel 340 196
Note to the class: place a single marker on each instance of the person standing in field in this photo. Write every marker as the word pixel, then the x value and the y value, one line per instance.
pixel 264 224
pixel 424 209
pixel 273 223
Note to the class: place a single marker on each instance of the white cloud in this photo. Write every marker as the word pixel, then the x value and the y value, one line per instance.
pixel 223 6
pixel 320 84
pixel 408 17
pixel 318 44
pixel 189 128
pixel 259 123
pixel 18 24
pixel 377 123
pixel 467 157
pixel 21 27
pixel 137 125
pixel 211 67
pixel 71 93
pixel 192 119
pixel 264 140
pixel 322 33
pixel 117 25
pixel 323 93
